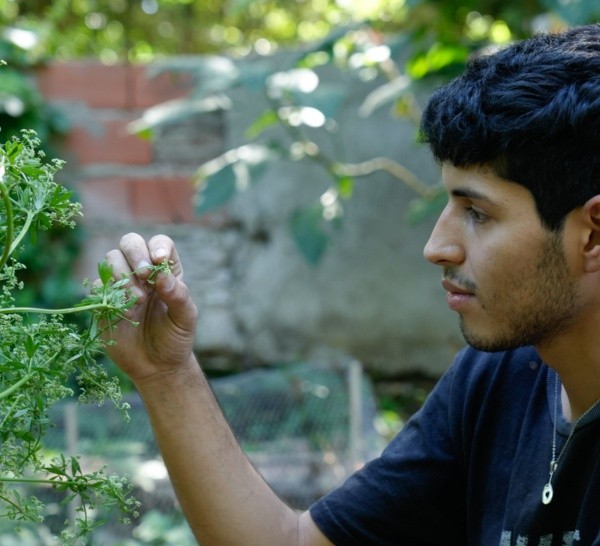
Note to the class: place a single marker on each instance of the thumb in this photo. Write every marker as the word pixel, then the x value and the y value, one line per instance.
pixel 175 294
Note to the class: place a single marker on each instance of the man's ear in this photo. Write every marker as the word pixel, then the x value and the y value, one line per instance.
pixel 591 217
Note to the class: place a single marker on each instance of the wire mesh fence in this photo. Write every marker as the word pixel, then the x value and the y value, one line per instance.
pixel 305 426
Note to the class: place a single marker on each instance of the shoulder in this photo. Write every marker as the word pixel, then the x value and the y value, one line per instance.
pixel 493 388
pixel 478 382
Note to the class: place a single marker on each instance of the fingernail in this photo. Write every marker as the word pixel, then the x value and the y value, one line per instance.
pixel 160 254
pixel 144 265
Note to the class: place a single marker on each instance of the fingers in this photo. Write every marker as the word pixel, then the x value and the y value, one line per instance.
pixel 140 255
pixel 137 255
pixel 135 252
pixel 162 247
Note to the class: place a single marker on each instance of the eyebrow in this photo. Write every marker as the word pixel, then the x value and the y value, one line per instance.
pixel 471 194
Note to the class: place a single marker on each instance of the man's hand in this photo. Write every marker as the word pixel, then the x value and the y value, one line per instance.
pixel 223 497
pixel 163 341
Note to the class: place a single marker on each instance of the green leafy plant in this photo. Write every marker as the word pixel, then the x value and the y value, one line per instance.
pixel 42 353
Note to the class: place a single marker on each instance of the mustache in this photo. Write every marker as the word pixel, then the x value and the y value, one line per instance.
pixel 452 274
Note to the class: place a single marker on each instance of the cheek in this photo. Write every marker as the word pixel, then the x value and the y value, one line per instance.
pixel 503 277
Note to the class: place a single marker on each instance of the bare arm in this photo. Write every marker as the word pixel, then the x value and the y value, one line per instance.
pixel 224 499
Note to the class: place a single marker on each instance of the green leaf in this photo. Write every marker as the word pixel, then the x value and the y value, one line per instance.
pixel 30 346
pixel 261 123
pixel 105 272
pixel 438 59
pixel 306 226
pixel 217 190
pixel 75 466
pixel 345 186
pixel 32 170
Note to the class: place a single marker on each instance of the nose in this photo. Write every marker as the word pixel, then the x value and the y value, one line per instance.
pixel 445 246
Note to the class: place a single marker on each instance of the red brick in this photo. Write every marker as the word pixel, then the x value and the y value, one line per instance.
pixel 108 142
pixel 149 91
pixel 163 200
pixel 88 81
pixel 125 199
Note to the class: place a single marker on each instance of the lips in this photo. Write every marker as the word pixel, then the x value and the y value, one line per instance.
pixel 458 297
pixel 452 288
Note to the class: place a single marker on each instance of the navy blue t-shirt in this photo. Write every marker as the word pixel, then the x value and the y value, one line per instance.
pixel 469 468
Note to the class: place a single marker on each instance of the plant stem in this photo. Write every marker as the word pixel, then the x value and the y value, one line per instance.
pixel 47 481
pixel 23 231
pixel 9 412
pixel 9 224
pixel 388 165
pixel 16 386
pixel 65 311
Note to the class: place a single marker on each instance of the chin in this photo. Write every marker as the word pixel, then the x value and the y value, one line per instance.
pixel 490 343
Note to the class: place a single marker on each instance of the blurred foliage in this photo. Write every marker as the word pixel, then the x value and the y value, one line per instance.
pixel 21 103
pixel 395 58
pixel 141 30
pixel 398 400
pixel 158 529
pixel 405 45
pixel 48 273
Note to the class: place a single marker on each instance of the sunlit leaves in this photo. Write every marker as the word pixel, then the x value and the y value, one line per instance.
pixel 439 58
pixel 264 121
pixel 145 30
pixel 296 80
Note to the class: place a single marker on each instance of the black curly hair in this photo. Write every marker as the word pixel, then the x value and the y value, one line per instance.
pixel 531 112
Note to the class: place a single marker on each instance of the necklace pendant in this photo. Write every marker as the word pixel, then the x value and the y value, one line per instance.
pixel 547 493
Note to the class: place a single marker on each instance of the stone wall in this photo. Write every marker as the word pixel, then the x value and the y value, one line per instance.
pixel 372 296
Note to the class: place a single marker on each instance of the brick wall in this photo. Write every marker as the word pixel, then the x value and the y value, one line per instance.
pixel 119 176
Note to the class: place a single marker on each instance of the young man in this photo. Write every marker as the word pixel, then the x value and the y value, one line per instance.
pixel 506 450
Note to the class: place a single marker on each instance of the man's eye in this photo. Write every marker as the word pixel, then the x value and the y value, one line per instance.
pixel 476 215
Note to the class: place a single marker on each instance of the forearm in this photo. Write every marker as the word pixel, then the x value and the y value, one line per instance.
pixel 225 500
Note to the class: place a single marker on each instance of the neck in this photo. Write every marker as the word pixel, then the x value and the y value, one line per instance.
pixel 578 365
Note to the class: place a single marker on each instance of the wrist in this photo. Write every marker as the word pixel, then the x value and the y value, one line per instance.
pixel 185 374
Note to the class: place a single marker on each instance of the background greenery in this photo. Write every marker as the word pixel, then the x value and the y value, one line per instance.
pixel 396 49
pixel 141 30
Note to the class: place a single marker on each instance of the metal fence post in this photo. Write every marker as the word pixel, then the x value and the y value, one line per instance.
pixel 355 439
pixel 71 441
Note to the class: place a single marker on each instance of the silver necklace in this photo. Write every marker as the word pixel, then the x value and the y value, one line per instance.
pixel 548 491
